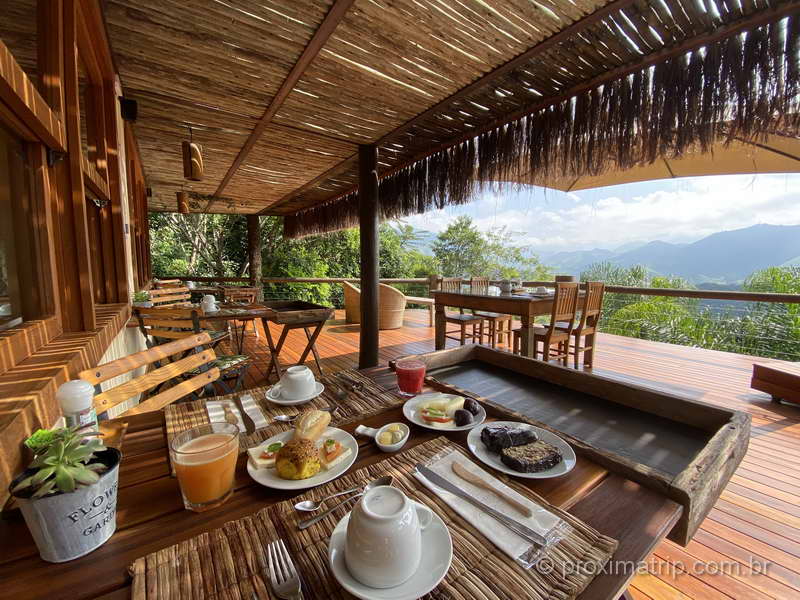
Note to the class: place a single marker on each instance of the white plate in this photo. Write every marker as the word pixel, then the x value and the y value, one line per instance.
pixel 492 459
pixel 437 554
pixel 270 479
pixel 411 413
pixel 276 399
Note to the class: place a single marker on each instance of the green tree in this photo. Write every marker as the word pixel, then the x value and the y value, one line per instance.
pixel 462 250
pixel 660 318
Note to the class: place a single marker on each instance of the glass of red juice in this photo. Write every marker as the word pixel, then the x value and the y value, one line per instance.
pixel 410 376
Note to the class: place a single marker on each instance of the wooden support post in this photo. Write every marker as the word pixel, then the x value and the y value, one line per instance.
pixel 254 254
pixel 368 229
pixel 80 288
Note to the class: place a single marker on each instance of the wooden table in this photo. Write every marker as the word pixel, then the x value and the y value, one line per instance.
pixel 525 306
pixel 294 314
pixel 150 514
pixel 235 314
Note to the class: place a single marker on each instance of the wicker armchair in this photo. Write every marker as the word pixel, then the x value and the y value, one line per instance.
pixel 391 305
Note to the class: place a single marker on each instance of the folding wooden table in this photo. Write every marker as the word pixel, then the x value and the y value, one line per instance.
pixel 294 314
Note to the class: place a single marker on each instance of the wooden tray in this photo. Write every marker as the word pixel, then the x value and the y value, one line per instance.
pixel 684 448
pixel 296 311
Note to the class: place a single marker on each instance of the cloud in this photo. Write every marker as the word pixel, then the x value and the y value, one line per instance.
pixel 678 210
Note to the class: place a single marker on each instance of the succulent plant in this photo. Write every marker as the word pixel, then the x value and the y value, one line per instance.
pixel 62 459
pixel 141 296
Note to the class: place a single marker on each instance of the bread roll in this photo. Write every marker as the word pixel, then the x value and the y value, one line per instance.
pixel 311 425
pixel 298 459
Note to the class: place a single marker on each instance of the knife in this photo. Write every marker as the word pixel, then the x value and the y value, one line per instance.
pixel 249 424
pixel 521 530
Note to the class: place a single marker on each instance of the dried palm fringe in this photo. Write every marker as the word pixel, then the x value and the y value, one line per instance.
pixel 745 86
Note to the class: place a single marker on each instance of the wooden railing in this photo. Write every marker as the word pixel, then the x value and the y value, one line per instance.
pixel 616 289
pixel 754 323
pixel 293 279
pixel 700 294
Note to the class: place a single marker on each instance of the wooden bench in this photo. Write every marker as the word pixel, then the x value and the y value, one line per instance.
pixel 429 302
pixel 779 380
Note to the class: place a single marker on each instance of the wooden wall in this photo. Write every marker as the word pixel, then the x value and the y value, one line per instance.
pixel 87 216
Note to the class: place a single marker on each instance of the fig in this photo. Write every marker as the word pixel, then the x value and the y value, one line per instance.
pixel 462 417
pixel 472 406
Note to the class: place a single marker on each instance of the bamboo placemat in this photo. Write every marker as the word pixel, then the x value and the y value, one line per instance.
pixel 229 562
pixel 359 403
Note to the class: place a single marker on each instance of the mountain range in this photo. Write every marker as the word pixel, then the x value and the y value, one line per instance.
pixel 723 257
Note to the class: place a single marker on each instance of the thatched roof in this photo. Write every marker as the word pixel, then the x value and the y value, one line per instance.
pixel 453 92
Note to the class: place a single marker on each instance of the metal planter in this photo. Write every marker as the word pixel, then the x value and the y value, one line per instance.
pixel 68 526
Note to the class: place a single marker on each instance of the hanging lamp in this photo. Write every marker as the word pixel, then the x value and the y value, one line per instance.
pixel 192 159
pixel 183 202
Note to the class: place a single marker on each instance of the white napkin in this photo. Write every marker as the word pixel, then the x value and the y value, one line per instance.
pixel 217 413
pixel 543 521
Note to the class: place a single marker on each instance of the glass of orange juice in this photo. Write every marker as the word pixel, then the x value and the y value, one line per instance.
pixel 205 463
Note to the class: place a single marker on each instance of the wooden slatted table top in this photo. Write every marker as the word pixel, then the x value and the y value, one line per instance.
pixel 150 514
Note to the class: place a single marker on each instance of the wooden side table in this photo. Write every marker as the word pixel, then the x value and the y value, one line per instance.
pixel 294 314
pixel 779 380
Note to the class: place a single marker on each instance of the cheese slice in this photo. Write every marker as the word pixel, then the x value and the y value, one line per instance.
pixel 446 404
pixel 328 466
pixel 257 461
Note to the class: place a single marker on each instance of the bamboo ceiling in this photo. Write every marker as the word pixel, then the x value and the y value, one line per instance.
pixel 392 72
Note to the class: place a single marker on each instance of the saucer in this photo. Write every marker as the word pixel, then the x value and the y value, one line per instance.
pixel 437 554
pixel 276 399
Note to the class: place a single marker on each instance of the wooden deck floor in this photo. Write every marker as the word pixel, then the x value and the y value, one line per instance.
pixel 756 519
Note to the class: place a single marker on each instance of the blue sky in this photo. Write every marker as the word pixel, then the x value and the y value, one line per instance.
pixel 673 210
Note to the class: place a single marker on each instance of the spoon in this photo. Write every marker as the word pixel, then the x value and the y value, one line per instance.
pixel 290 418
pixel 386 480
pixel 312 505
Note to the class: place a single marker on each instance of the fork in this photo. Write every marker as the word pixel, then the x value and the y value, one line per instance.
pixel 282 574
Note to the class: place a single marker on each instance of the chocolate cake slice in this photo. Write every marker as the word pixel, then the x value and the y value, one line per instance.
pixel 497 437
pixel 531 458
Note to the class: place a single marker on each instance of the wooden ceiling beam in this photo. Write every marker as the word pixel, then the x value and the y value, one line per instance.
pixel 487 79
pixel 321 36
pixel 751 21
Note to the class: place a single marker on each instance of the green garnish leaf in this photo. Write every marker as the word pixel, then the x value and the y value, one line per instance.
pixel 274 447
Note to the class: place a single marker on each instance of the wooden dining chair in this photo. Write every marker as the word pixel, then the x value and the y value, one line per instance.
pixel 167 283
pixel 498 325
pixel 240 294
pixel 167 297
pixel 462 319
pixel 198 361
pixel 159 325
pixel 245 295
pixel 559 330
pixel 591 309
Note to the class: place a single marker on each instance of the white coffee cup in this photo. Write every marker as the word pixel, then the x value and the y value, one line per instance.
pixel 383 547
pixel 541 290
pixel 297 382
